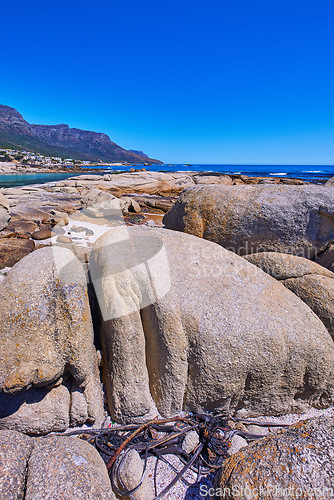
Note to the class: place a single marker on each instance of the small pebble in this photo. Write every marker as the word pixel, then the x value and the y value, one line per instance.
pixel 190 442
pixel 237 442
pixel 63 239
pixel 43 234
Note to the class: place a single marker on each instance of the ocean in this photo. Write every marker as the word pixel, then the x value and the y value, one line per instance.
pixel 312 173
pixel 13 180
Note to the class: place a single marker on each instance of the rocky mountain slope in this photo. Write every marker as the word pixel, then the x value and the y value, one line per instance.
pixel 61 140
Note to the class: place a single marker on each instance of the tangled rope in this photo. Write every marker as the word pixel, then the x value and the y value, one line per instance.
pixel 162 437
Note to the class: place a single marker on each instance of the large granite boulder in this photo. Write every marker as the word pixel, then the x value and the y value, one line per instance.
pixel 132 182
pixel 312 283
pixel 98 203
pixel 189 325
pixel 149 182
pixel 330 182
pixel 38 410
pixel 51 468
pixel 4 212
pixel 251 219
pixel 96 196
pixel 295 463
pixel 159 203
pixel 212 178
pixel 69 468
pixel 49 375
pixel 15 449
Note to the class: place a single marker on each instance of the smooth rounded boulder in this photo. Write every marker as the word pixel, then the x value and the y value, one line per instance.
pixel 294 463
pixel 66 467
pixel 311 282
pixel 55 467
pixel 251 219
pixel 49 376
pixel 191 326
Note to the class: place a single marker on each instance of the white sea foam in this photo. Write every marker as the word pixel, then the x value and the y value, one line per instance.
pixel 183 171
pixel 312 171
pixel 192 171
pixel 278 173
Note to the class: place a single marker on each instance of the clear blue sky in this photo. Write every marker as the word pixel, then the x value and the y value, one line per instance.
pixel 215 81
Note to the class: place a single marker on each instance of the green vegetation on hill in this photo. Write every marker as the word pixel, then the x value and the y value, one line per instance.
pixel 60 140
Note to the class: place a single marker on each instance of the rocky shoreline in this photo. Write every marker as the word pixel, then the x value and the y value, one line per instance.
pixel 155 192
pixel 20 168
pixel 216 300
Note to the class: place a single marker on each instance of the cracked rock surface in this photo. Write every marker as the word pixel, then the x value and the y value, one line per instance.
pixel 48 362
pixel 251 219
pixel 55 467
pixel 311 282
pixel 299 458
pixel 218 334
pixel 15 449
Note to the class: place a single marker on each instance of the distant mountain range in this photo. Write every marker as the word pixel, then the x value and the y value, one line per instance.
pixel 62 141
pixel 140 153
